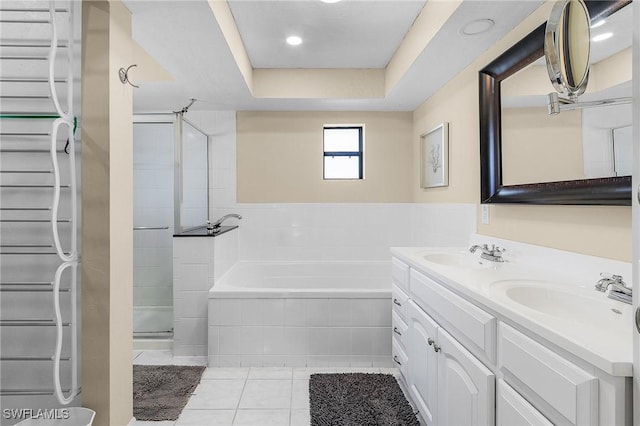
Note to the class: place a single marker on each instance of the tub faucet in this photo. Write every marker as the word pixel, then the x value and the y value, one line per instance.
pixel 218 223
pixel 493 254
pixel 618 289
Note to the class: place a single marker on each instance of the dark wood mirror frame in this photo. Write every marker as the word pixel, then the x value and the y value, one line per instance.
pixel 602 191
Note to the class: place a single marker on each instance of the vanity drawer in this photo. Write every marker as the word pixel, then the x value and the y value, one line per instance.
pixel 400 274
pixel 399 358
pixel 513 409
pixel 562 391
pixel 399 302
pixel 399 329
pixel 473 327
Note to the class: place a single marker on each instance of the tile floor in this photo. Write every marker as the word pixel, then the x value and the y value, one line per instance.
pixel 265 396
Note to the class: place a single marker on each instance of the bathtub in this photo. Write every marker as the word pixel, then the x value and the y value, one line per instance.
pixel 297 314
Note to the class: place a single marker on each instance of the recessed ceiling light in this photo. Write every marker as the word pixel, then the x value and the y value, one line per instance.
pixel 600 23
pixel 601 37
pixel 329 1
pixel 477 26
pixel 294 40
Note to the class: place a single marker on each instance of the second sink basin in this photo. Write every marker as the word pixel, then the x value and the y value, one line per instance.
pixel 563 301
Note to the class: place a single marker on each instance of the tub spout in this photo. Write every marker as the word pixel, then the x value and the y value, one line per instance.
pixel 218 223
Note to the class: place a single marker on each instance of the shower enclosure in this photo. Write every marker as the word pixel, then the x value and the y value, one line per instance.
pixel 170 195
pixel 39 211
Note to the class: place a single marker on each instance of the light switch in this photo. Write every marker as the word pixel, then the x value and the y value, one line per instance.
pixel 485 214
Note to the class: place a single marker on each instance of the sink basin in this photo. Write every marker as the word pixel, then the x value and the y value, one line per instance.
pixel 563 301
pixel 461 260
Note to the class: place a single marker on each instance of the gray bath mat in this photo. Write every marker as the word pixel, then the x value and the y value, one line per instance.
pixel 160 392
pixel 357 399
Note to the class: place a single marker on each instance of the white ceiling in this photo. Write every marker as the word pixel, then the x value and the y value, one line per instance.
pixel 184 37
pixel 348 34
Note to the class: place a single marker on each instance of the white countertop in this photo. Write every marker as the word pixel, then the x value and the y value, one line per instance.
pixel 603 338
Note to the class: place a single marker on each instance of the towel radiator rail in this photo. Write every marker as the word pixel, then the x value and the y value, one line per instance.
pixel 32 392
pixel 61 117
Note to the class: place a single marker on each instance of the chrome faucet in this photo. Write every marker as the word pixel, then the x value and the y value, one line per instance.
pixel 493 254
pixel 218 223
pixel 618 289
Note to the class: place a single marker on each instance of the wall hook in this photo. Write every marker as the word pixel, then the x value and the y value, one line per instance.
pixel 124 75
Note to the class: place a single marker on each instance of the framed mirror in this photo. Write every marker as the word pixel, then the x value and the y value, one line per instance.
pixel 542 185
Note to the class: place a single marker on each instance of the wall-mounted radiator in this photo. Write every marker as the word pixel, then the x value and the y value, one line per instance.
pixel 39 212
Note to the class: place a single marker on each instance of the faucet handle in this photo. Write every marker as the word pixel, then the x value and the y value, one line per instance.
pixel 616 282
pixel 612 277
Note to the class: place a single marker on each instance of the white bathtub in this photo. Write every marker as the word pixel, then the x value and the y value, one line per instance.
pixel 296 314
pixel 370 279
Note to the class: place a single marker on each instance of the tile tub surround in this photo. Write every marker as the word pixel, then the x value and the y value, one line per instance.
pixel 346 231
pixel 196 268
pixel 299 332
pixel 301 314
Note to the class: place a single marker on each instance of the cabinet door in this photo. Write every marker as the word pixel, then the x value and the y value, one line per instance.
pixel 513 410
pixel 466 388
pixel 423 373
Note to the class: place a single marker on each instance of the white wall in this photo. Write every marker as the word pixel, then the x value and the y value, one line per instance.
pixel 324 231
pixel 598 146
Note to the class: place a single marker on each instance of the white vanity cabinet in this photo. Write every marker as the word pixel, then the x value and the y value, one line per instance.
pixel 422 378
pixel 566 393
pixel 465 364
pixel 446 382
pixel 512 409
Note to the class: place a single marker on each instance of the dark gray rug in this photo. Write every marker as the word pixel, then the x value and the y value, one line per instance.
pixel 160 392
pixel 356 399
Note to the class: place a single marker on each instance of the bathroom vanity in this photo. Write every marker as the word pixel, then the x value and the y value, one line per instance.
pixel 525 341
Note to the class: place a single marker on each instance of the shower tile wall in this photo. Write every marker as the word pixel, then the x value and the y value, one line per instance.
pixel 198 262
pixel 153 207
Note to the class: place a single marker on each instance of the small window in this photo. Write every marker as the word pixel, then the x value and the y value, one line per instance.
pixel 342 152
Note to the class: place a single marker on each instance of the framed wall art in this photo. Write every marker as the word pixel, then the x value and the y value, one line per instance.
pixel 434 157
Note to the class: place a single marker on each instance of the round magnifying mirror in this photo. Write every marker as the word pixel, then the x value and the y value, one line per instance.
pixel 566 46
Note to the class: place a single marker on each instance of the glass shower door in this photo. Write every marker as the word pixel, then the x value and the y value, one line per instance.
pixel 153 209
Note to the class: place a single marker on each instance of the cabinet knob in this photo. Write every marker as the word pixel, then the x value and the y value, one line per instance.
pixel 396 302
pixel 430 341
pixel 395 330
pixel 436 348
pixel 395 359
